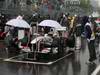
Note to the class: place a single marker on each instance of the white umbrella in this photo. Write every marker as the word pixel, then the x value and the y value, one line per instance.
pixel 50 23
pixel 40 38
pixel 18 23
pixel 37 39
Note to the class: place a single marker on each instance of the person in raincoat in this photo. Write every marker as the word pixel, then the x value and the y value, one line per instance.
pixel 8 39
pixel 78 32
pixel 90 36
pixel 24 40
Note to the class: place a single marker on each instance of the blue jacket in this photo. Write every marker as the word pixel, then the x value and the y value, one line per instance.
pixel 88 31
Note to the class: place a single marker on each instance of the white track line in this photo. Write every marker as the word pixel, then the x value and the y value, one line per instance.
pixel 27 62
pixel 17 56
pixel 49 63
pixel 61 58
pixel 96 70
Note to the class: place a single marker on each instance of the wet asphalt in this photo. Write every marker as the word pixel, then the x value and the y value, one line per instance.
pixel 75 64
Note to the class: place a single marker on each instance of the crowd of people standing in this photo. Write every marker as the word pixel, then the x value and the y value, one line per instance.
pixel 76 26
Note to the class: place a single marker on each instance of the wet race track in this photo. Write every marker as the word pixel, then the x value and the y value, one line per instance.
pixel 74 64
